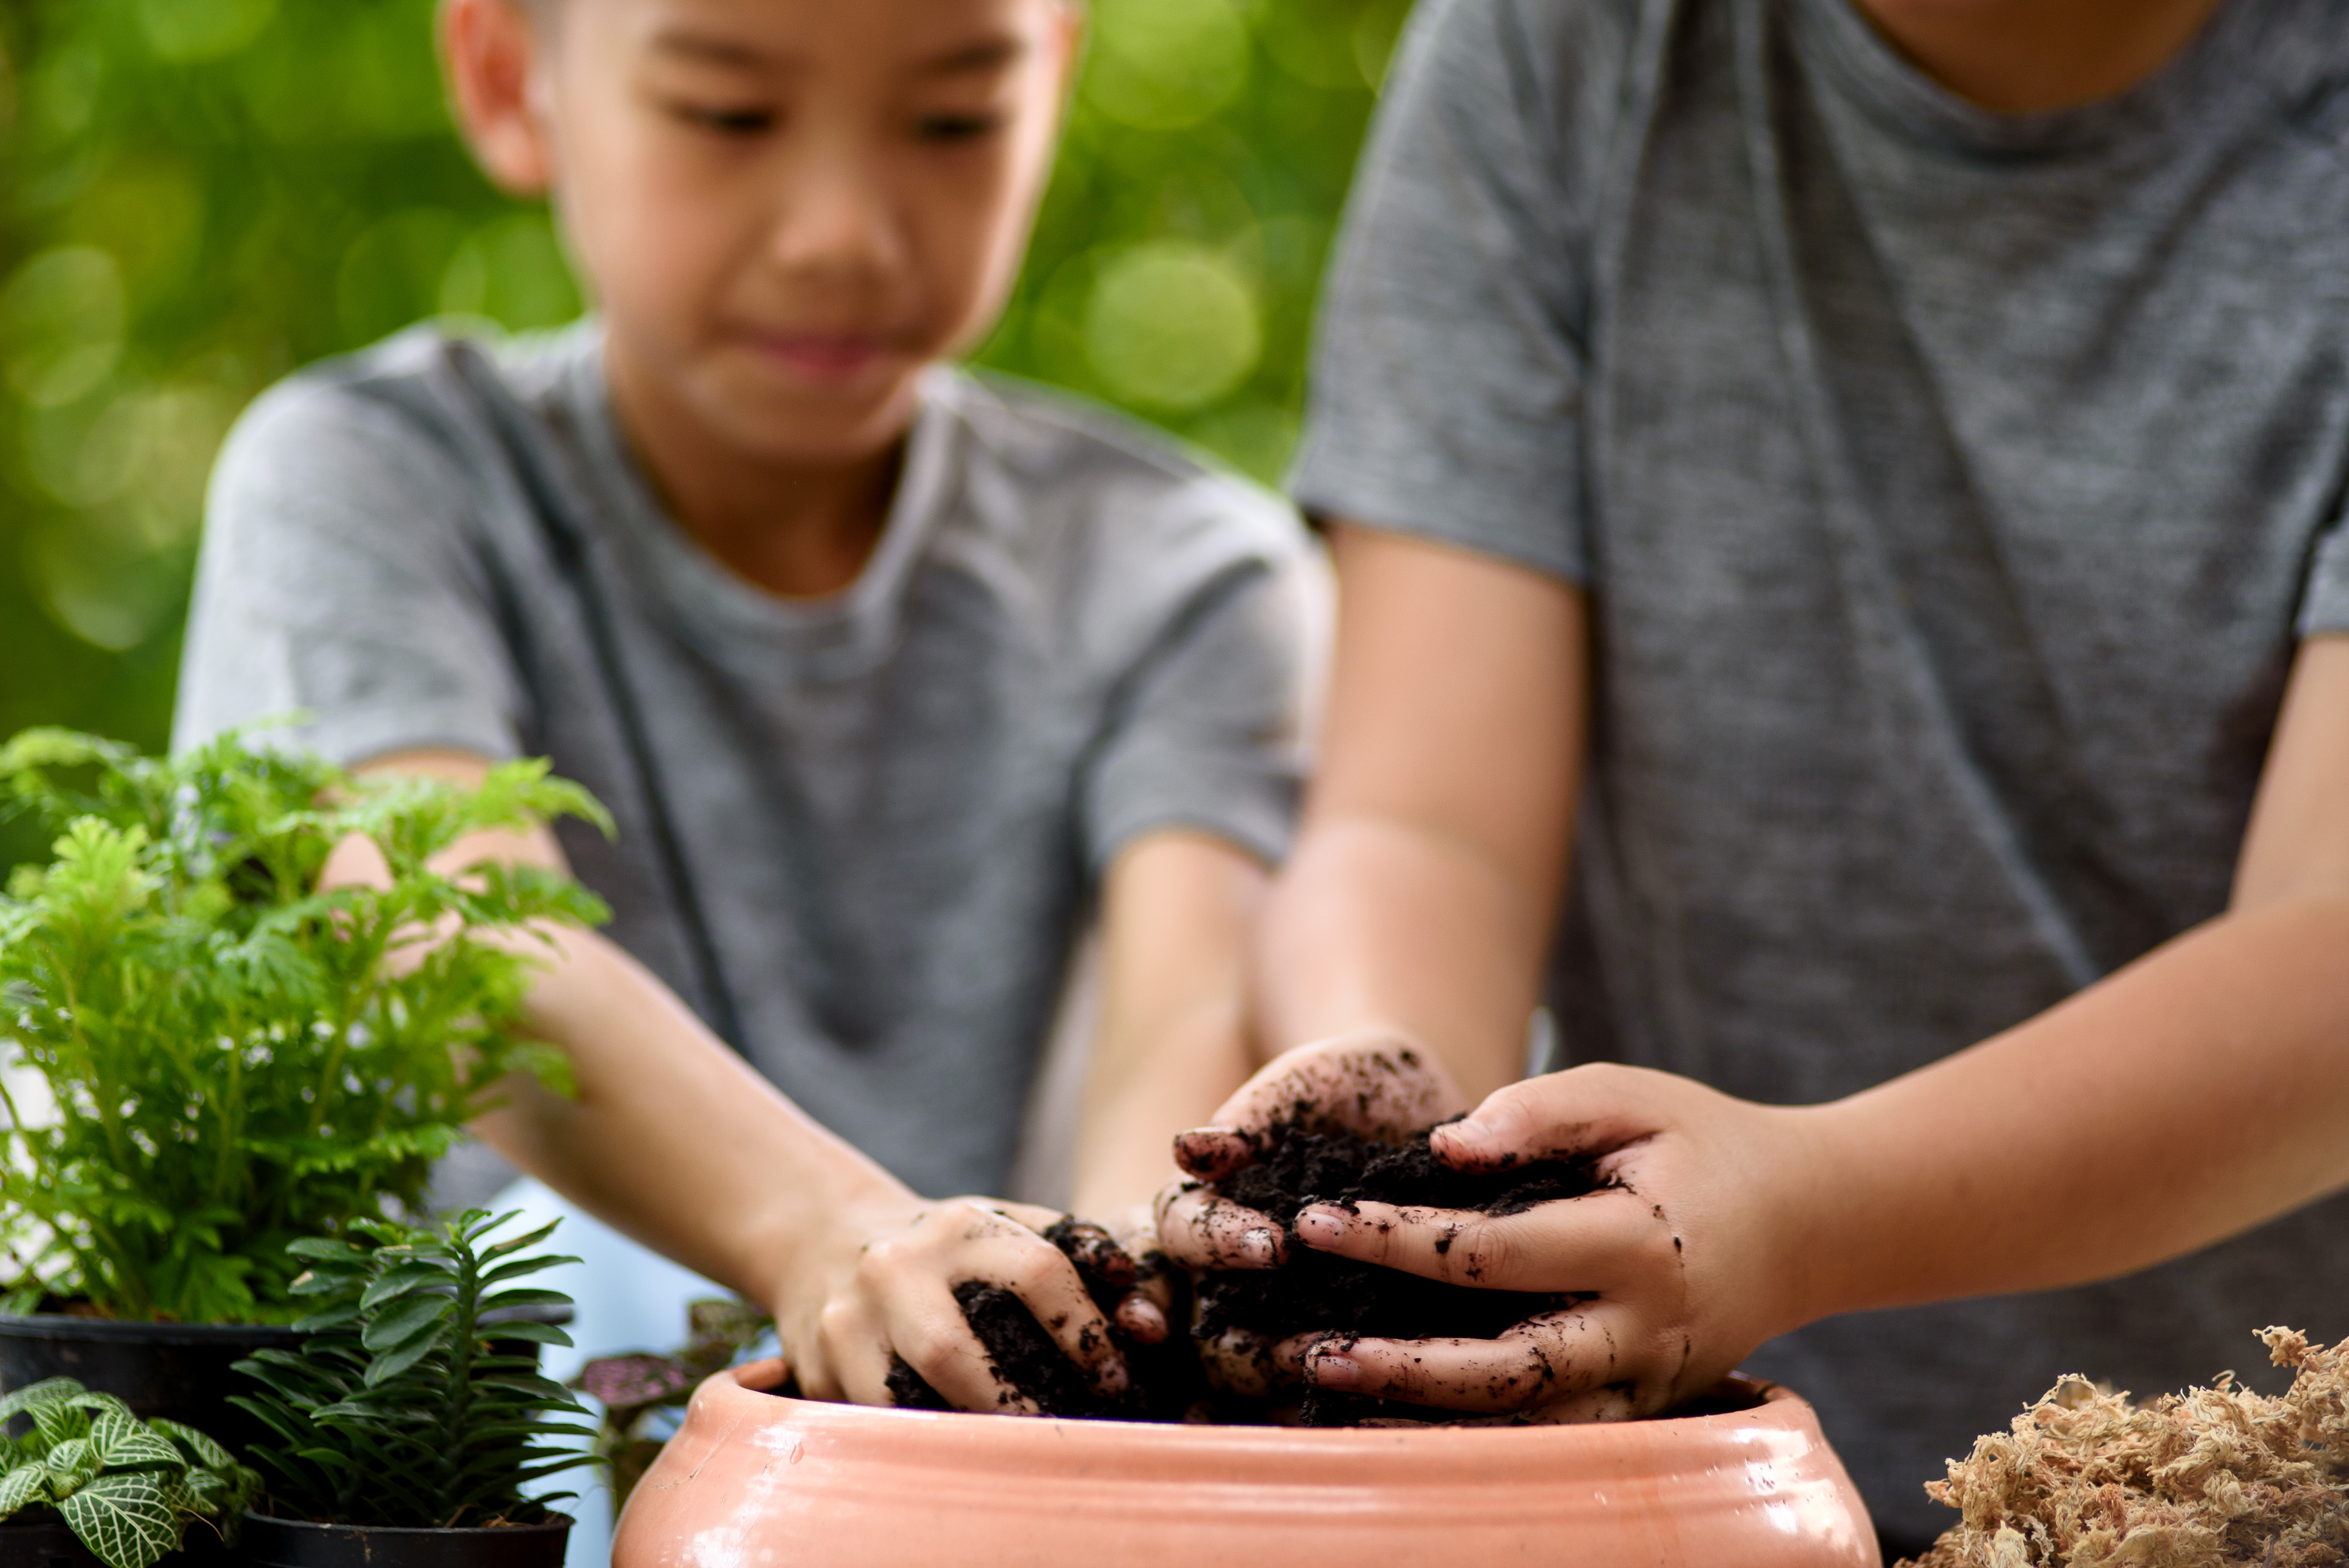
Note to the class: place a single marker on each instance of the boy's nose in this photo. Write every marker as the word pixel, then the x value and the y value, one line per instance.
pixel 835 215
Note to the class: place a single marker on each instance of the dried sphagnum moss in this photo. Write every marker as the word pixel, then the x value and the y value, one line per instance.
pixel 2213 1477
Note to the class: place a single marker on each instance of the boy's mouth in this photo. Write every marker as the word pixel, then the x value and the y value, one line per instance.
pixel 820 356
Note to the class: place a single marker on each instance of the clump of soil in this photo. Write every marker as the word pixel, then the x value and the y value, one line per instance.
pixel 1164 1380
pixel 2211 1477
pixel 1296 1164
pixel 1299 1164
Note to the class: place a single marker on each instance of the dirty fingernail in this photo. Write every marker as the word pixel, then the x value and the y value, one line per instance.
pixel 1142 1319
pixel 1112 1378
pixel 1329 1369
pixel 1256 1246
pixel 1324 1225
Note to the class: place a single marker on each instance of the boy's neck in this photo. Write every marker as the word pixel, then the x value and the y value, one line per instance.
pixel 2026 56
pixel 795 530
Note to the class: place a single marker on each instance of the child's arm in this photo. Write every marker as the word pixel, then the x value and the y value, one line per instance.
pixel 2196 1093
pixel 675 1140
pixel 1178 910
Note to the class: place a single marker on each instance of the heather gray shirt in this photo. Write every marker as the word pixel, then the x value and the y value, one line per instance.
pixel 1951 490
pixel 890 805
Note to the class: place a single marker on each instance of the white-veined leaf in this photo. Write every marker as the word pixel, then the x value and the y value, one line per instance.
pixel 47 1391
pixel 71 1463
pixel 121 1441
pixel 125 1521
pixel 57 1421
pixel 23 1486
pixel 199 1447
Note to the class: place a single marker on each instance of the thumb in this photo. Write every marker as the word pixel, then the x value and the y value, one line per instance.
pixel 1502 1130
pixel 1583 1110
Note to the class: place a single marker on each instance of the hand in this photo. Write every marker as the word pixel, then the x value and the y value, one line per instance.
pixel 879 1283
pixel 1375 1084
pixel 1687 1261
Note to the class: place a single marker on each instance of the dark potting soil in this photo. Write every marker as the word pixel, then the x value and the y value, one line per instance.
pixel 1298 1165
pixel 1165 1379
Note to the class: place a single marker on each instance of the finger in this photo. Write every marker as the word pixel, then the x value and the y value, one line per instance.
pixel 1596 1242
pixel 1581 1110
pixel 1212 1154
pixel 1549 1359
pixel 1048 1285
pixel 1201 1231
pixel 1095 1252
pixel 1142 1318
pixel 927 1330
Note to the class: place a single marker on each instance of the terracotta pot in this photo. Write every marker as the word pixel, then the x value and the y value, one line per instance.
pixel 755 1480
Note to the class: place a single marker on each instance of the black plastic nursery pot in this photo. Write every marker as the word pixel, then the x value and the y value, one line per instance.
pixel 43 1543
pixel 183 1371
pixel 271 1542
pixel 41 1539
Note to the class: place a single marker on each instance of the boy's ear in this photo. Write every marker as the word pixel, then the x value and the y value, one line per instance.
pixel 491 51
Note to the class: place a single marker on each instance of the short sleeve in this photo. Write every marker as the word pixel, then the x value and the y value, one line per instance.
pixel 1209 731
pixel 1449 367
pixel 2325 603
pixel 334 584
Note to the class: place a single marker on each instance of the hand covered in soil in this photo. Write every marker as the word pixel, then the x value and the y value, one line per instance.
pixel 1685 1261
pixel 1374 1084
pixel 879 1289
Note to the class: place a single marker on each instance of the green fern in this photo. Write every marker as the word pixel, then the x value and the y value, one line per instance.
pixel 128 1489
pixel 404 1407
pixel 237 1059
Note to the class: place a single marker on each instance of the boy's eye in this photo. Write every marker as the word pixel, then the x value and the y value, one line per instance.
pixel 950 128
pixel 725 121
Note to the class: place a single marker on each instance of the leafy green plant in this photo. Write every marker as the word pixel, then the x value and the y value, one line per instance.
pixel 407 1405
pixel 236 1059
pixel 128 1489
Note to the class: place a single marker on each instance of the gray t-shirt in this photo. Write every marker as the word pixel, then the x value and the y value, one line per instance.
pixel 891 806
pixel 1951 490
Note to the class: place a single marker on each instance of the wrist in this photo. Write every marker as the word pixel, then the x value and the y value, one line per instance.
pixel 1833 1255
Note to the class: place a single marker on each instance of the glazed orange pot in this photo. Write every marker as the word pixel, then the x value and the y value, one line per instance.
pixel 753 1479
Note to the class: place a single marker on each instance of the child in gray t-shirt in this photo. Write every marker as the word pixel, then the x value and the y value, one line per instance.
pixel 1868 473
pixel 892 677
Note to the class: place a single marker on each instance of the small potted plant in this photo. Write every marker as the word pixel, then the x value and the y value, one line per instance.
pixel 643 1393
pixel 90 1480
pixel 226 1058
pixel 406 1427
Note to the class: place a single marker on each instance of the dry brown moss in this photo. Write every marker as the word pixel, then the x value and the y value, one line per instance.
pixel 2212 1477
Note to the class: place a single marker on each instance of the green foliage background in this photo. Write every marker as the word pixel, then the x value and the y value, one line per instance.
pixel 197 196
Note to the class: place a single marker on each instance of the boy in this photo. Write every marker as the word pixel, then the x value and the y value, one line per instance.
pixel 1901 443
pixel 887 674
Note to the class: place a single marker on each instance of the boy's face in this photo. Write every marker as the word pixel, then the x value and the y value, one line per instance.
pixel 783 208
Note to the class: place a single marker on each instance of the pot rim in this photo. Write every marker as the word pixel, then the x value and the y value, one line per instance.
pixel 1772 1404
pixel 551 1521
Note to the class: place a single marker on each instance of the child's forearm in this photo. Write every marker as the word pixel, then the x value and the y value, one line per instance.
pixel 1177 912
pixel 1418 901
pixel 672 1138
pixel 1381 928
pixel 2192 1095
pixel 1172 1081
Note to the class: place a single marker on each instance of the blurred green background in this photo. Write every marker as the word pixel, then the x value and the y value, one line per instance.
pixel 197 196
